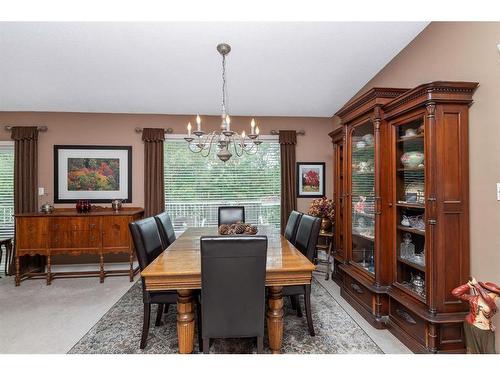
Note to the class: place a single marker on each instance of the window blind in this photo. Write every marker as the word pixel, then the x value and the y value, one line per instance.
pixel 195 186
pixel 6 189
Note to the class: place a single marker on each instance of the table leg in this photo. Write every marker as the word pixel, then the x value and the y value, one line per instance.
pixel 101 267
pixel 49 274
pixel 328 256
pixel 131 271
pixel 18 277
pixel 275 319
pixel 185 321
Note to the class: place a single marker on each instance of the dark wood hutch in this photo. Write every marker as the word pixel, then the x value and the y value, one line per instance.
pixel 402 226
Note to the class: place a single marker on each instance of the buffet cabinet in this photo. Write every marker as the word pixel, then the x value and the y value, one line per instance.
pixel 402 190
pixel 99 232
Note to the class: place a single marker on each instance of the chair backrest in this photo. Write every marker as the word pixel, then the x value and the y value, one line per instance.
pixel 166 229
pixel 292 225
pixel 147 241
pixel 307 235
pixel 233 276
pixel 231 214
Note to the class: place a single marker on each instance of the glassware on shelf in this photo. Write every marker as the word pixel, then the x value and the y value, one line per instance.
pixel 417 222
pixel 405 221
pixel 407 248
pixel 418 284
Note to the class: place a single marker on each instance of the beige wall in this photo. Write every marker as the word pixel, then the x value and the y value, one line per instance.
pixel 118 129
pixel 462 51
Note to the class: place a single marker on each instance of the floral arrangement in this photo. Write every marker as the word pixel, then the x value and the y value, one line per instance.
pixel 322 207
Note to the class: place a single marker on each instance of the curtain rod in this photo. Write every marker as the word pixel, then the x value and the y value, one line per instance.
pixel 277 132
pixel 167 130
pixel 42 128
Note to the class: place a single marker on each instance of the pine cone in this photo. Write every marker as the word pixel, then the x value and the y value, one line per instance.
pixel 239 228
pixel 223 229
pixel 231 231
pixel 253 230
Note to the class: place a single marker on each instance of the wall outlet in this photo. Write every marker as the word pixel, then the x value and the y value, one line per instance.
pixel 498 191
pixel 41 190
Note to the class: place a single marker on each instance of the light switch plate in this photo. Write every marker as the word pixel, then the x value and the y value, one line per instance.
pixel 41 190
pixel 498 191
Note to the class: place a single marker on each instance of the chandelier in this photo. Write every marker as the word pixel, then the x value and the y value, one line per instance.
pixel 224 140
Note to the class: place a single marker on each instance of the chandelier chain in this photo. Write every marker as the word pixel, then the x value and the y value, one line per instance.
pixel 224 85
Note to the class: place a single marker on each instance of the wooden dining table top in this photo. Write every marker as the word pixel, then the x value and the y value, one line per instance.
pixel 179 266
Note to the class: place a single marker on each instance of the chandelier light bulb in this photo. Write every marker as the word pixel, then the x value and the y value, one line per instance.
pixel 189 129
pixel 228 122
pixel 257 130
pixel 243 135
pixel 252 125
pixel 198 122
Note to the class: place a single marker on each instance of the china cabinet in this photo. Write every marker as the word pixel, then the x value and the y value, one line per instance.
pixel 430 204
pixel 365 265
pixel 406 212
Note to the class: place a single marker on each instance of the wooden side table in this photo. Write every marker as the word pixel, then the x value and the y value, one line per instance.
pixel 7 243
pixel 327 248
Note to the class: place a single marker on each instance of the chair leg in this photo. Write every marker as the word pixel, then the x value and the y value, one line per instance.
pixel 296 305
pixel 145 325
pixel 159 313
pixel 206 345
pixel 260 345
pixel 198 318
pixel 307 303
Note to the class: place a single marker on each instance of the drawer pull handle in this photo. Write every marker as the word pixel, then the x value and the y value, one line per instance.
pixel 356 288
pixel 407 317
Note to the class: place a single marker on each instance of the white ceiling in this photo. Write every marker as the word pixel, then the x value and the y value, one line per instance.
pixel 274 69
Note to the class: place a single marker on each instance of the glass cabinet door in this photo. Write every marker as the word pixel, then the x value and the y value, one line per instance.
pixel 363 196
pixel 410 205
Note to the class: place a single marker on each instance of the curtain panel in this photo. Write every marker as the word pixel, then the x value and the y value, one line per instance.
pixel 26 181
pixel 154 182
pixel 288 141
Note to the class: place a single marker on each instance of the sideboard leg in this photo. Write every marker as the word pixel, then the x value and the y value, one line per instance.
pixel 275 319
pixel 101 267
pixel 131 271
pixel 185 321
pixel 49 274
pixel 18 278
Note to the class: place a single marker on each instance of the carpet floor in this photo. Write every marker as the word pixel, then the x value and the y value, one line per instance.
pixel 119 330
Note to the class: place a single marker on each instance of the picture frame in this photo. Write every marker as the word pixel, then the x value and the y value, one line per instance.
pixel 98 174
pixel 310 179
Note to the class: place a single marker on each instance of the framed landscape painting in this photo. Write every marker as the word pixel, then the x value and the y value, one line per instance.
pixel 98 174
pixel 310 180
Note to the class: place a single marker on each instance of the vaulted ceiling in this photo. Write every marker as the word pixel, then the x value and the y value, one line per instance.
pixel 274 69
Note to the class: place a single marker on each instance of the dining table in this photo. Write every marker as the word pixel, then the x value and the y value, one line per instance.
pixel 178 268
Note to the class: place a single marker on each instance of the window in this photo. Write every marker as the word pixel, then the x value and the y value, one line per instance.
pixel 195 186
pixel 6 189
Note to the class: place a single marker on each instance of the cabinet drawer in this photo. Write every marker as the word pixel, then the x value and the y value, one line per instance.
pixel 407 321
pixel 358 291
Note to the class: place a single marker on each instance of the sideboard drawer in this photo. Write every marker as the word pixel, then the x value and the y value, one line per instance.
pixel 407 321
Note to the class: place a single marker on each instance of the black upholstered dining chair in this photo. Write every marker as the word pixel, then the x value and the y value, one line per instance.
pixel 233 277
pixel 148 246
pixel 166 229
pixel 305 241
pixel 231 214
pixel 292 225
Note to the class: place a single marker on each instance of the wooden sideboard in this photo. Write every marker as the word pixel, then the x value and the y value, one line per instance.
pixel 99 232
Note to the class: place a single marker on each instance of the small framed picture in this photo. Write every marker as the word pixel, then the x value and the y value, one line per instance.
pixel 310 180
pixel 98 174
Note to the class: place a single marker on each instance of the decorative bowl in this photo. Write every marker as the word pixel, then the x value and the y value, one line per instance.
pixel 412 159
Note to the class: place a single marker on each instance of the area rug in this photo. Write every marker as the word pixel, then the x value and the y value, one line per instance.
pixel 119 330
